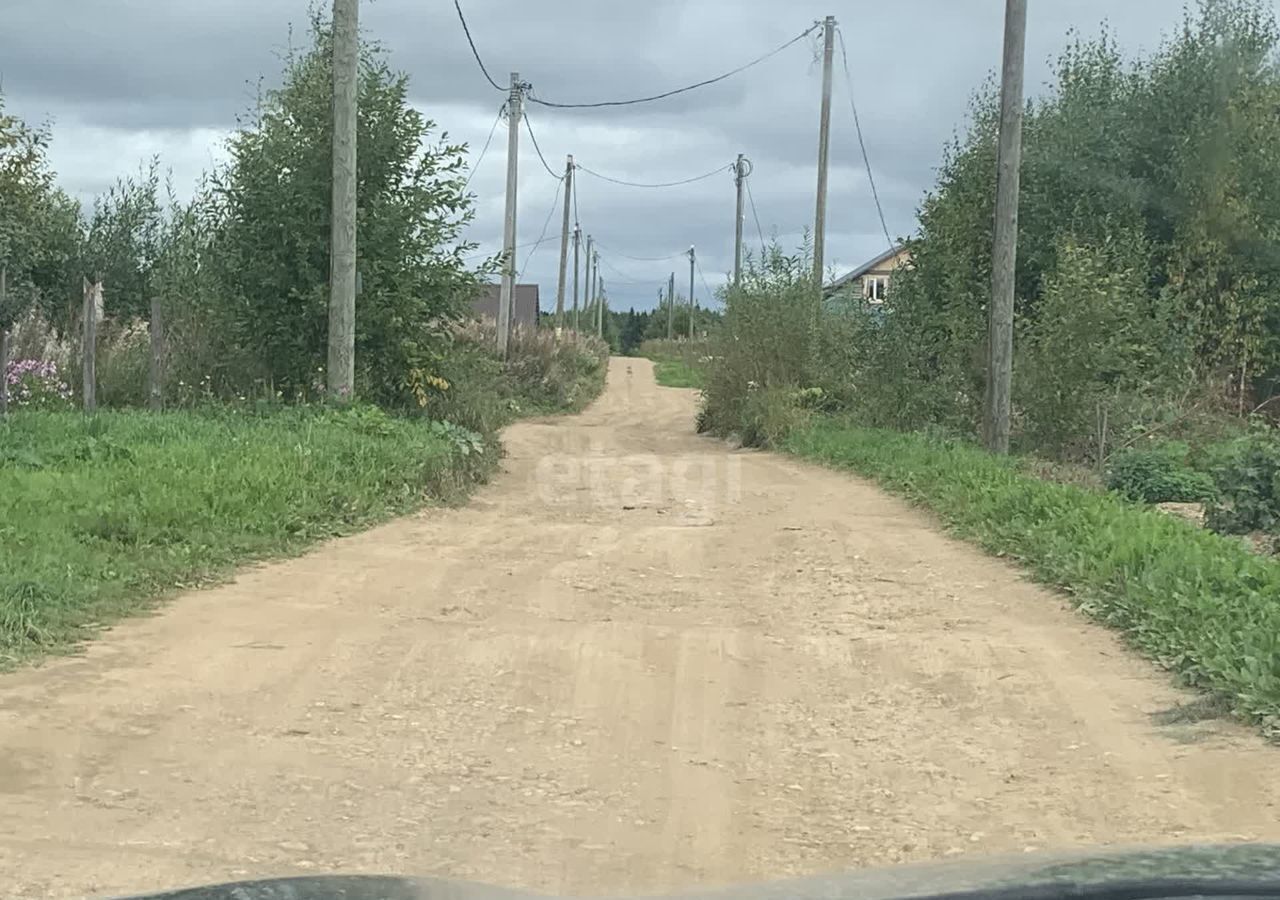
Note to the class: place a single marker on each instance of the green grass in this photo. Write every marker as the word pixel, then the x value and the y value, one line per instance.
pixel 1199 604
pixel 99 518
pixel 675 373
pixel 677 363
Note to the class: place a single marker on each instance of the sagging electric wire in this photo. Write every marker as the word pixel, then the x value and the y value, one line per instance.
pixel 624 278
pixel 542 238
pixel 857 124
pixel 487 141
pixel 664 184
pixel 474 51
pixel 692 87
pixel 643 258
pixel 755 215
pixel 711 295
pixel 528 126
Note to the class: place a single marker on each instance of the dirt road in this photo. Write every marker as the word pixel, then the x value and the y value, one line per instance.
pixel 638 661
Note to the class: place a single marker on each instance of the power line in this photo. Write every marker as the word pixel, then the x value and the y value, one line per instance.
pixel 857 124
pixel 664 184
pixel 691 87
pixel 645 258
pixel 487 142
pixel 542 238
pixel 576 221
pixel 528 126
pixel 711 295
pixel 625 279
pixel 474 51
pixel 755 215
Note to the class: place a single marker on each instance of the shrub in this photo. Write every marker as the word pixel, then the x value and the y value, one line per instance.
pixel 1158 475
pixel 1247 474
pixel 769 415
pixel 764 352
pixel 124 364
pixel 37 384
pixel 540 374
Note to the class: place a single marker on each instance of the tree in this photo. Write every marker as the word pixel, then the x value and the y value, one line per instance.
pixel 271 247
pixel 38 222
pixel 121 242
pixel 1150 200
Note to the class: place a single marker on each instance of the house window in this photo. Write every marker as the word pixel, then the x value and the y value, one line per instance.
pixel 875 287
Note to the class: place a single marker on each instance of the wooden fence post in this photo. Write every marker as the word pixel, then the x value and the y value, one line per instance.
pixel 157 357
pixel 92 293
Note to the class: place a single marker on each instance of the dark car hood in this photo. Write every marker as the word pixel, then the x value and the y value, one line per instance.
pixel 1237 871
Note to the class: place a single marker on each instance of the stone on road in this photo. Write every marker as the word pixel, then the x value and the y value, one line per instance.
pixel 638 661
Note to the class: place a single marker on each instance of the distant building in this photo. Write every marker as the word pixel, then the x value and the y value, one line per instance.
pixel 525 313
pixel 872 278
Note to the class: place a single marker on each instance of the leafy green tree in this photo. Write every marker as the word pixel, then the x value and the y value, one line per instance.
pixel 1150 207
pixel 121 241
pixel 38 222
pixel 271 248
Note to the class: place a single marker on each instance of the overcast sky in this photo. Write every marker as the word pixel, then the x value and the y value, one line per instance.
pixel 125 79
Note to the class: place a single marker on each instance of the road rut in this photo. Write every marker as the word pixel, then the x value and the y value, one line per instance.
pixel 638 661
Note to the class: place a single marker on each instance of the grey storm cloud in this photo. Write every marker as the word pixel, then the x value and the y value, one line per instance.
pixel 121 81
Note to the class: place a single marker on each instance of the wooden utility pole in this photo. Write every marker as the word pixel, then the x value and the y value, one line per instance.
pixel 693 259
pixel 4 343
pixel 156 379
pixel 564 246
pixel 342 240
pixel 671 312
pixel 1005 254
pixel 824 152
pixel 92 302
pixel 588 294
pixel 599 298
pixel 577 265
pixel 739 180
pixel 506 295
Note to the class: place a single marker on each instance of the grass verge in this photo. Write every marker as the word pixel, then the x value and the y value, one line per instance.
pixel 1199 604
pixel 99 518
pixel 677 364
pixel 676 373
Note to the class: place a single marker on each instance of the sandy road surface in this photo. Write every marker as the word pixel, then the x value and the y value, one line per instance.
pixel 636 662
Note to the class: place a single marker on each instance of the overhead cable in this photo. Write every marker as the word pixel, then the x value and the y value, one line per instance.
pixel 692 87
pixel 711 295
pixel 474 51
pixel 755 215
pixel 487 142
pixel 665 184
pixel 542 238
pixel 857 124
pixel 528 126
pixel 644 258
pixel 624 278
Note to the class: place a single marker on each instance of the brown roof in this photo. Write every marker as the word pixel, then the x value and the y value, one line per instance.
pixel 525 305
